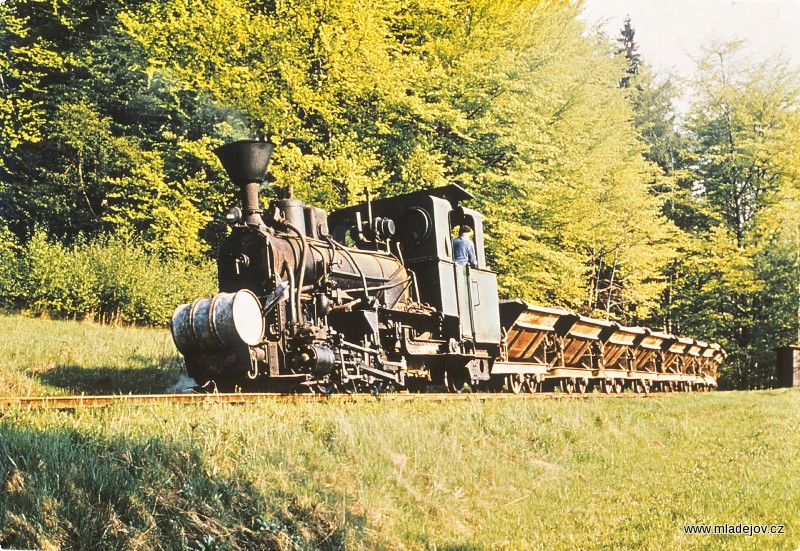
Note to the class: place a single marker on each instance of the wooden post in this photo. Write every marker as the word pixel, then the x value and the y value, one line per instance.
pixel 788 372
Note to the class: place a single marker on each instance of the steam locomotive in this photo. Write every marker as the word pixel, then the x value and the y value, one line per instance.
pixel 369 298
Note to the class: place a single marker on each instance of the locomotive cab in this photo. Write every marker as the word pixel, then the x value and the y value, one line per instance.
pixel 475 288
pixel 466 297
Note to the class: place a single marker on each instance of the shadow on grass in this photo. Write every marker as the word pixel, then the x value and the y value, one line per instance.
pixel 148 379
pixel 80 489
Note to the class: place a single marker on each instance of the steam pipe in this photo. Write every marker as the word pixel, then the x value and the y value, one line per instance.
pixel 303 258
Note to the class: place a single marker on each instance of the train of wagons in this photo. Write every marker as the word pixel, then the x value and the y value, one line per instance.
pixel 368 298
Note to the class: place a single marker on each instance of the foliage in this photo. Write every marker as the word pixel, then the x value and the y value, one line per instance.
pixel 629 48
pixel 95 145
pixel 597 196
pixel 107 280
pixel 121 109
pixel 738 281
pixel 500 97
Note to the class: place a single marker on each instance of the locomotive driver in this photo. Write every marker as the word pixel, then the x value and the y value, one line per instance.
pixel 464 248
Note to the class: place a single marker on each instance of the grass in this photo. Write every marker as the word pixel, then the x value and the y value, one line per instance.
pixel 47 357
pixel 593 474
pixel 546 474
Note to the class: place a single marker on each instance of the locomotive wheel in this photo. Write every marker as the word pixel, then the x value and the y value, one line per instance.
pixel 417 384
pixel 325 388
pixel 514 383
pixel 455 380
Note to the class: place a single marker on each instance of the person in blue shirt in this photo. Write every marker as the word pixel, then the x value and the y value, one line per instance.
pixel 464 248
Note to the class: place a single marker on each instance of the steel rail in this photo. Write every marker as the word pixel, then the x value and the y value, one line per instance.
pixel 138 400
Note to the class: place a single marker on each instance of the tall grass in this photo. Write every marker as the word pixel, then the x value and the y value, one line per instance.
pixel 593 474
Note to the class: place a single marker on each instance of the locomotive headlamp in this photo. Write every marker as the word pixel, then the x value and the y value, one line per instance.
pixel 383 228
pixel 380 229
pixel 234 216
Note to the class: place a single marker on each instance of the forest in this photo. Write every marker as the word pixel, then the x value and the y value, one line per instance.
pixel 608 189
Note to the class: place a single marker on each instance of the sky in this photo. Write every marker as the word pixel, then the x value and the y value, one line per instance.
pixel 669 32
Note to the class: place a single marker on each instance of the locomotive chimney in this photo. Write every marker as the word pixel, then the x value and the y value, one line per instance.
pixel 246 163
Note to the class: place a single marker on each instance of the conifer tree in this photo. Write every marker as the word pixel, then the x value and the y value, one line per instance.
pixel 630 49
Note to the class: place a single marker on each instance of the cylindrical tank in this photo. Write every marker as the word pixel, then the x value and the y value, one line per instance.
pixel 210 325
pixel 293 212
pixel 384 274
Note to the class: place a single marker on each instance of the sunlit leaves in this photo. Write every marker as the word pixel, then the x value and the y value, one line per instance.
pixel 742 273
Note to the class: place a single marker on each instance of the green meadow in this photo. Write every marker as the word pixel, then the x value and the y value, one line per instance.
pixel 51 357
pixel 519 474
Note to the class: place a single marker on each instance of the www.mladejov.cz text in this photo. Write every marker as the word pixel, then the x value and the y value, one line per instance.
pixel 733 529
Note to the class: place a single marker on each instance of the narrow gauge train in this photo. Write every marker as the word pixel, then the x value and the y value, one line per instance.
pixel 370 298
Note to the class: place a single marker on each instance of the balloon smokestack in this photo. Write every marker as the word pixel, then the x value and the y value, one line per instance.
pixel 246 163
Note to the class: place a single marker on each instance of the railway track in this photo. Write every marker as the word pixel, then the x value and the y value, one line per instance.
pixel 138 400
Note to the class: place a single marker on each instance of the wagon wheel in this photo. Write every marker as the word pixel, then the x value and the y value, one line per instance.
pixel 514 383
pixel 619 386
pixel 582 385
pixel 606 386
pixel 646 386
pixel 455 380
pixel 532 385
pixel 568 385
